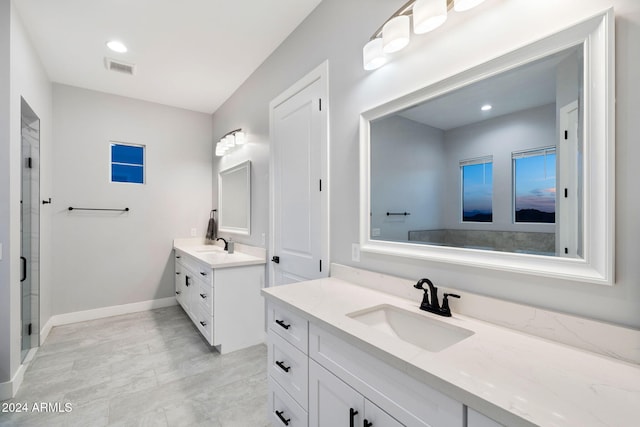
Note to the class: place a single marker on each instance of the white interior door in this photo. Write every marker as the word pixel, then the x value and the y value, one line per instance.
pixel 299 208
pixel 568 191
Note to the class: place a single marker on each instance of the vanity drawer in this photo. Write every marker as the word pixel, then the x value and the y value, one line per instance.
pixel 204 296
pixel 406 399
pixel 289 326
pixel 289 367
pixel 283 410
pixel 204 322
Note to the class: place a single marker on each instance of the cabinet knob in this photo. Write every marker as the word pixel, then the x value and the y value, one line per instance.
pixel 177 273
pixel 203 273
pixel 203 323
pixel 367 423
pixel 178 292
pixel 203 296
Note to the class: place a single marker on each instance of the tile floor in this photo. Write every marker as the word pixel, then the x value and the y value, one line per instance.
pixel 150 368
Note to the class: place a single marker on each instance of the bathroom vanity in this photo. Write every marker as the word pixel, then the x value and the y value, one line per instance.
pixel 221 292
pixel 354 350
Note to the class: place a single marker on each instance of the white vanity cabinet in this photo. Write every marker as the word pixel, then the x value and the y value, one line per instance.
pixel 476 419
pixel 404 399
pixel 288 366
pixel 333 403
pixel 224 303
pixel 319 380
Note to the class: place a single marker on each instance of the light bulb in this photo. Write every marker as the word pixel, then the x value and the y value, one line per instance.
pixel 117 46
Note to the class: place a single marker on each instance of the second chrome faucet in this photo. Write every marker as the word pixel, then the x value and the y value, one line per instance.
pixel 430 301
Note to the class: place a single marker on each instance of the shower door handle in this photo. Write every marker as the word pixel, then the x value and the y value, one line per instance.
pixel 23 260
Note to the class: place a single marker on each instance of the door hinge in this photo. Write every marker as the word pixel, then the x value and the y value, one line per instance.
pixel 30 162
pixel 30 329
pixel 321 266
pixel 566 250
pixel 320 185
pixel 320 104
pixel 566 134
pixel 566 193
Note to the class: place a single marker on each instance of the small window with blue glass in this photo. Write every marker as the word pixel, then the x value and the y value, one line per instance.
pixel 127 163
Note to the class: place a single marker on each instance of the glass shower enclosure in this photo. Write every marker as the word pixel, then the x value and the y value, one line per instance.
pixel 30 229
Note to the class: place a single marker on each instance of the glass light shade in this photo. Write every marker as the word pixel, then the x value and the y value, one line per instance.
pixel 229 141
pixel 395 34
pixel 240 138
pixel 428 15
pixel 462 5
pixel 372 55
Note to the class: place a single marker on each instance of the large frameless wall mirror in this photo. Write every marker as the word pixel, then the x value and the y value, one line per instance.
pixel 508 165
pixel 234 199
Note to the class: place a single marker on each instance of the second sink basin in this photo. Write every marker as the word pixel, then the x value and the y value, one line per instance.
pixel 422 331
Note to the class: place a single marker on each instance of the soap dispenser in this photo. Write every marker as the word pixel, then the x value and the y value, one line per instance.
pixel 230 246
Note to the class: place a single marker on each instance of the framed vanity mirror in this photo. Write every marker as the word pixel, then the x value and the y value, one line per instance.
pixel 234 199
pixel 508 165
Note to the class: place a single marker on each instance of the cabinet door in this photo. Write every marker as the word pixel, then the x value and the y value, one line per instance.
pixel 476 419
pixel 376 417
pixel 332 403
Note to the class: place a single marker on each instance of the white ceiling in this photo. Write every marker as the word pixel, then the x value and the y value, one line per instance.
pixel 191 54
pixel 524 87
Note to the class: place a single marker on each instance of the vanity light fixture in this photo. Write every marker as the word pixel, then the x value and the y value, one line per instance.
pixel 486 107
pixel 117 46
pixel 230 141
pixel 394 34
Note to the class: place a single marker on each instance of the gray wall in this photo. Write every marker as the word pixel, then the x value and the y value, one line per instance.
pixel 337 30
pixel 407 167
pixel 528 129
pixel 21 75
pixel 107 259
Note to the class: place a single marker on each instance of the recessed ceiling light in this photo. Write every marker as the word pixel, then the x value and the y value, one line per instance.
pixel 486 107
pixel 117 46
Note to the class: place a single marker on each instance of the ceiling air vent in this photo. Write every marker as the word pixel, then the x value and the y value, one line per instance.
pixel 119 66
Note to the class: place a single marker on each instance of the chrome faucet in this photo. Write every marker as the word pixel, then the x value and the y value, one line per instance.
pixel 430 301
pixel 226 244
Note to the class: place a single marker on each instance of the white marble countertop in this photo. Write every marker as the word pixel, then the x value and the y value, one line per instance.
pixel 512 377
pixel 216 257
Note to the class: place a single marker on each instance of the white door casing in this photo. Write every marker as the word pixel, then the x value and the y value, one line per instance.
pixel 299 226
pixel 568 197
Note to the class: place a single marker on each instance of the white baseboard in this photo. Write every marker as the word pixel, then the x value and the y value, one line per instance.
pixel 102 312
pixel 10 388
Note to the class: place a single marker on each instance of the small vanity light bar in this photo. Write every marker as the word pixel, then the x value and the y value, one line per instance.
pixel 486 107
pixel 229 141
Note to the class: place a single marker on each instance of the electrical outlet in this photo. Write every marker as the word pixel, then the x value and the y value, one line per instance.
pixel 375 232
pixel 194 232
pixel 355 252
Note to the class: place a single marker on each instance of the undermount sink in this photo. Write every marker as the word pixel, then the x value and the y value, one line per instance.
pixel 208 250
pixel 414 328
